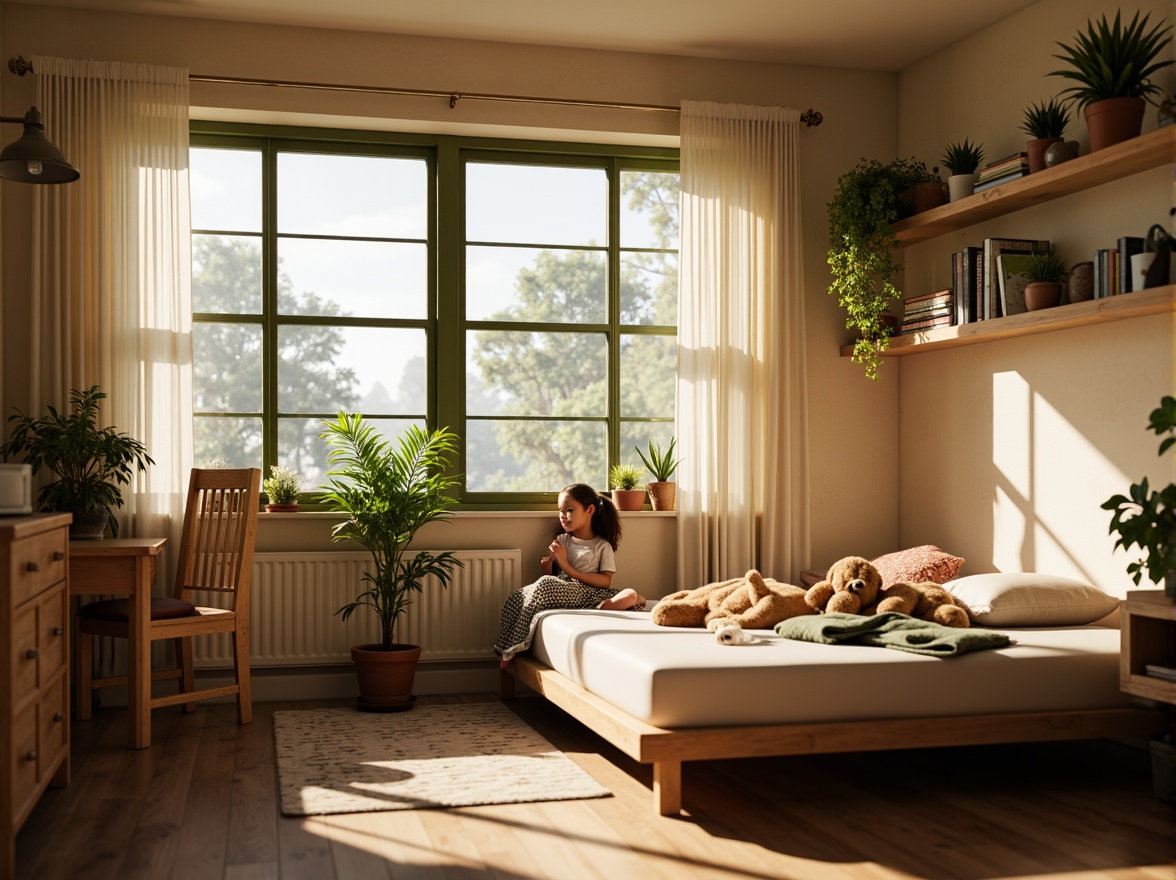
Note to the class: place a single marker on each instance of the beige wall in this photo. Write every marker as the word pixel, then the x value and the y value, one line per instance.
pixel 1006 450
pixel 860 119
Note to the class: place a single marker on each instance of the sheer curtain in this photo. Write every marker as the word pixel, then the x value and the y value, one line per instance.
pixel 111 279
pixel 743 496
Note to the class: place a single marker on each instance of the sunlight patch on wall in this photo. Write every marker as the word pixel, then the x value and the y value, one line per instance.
pixel 1008 532
pixel 1012 431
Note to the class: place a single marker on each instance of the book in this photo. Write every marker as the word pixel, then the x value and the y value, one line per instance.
pixel 973 274
pixel 947 311
pixel 1021 158
pixel 943 321
pixel 1001 170
pixel 1158 670
pixel 1004 178
pixel 937 296
pixel 1013 278
pixel 959 296
pixel 1128 246
pixel 993 248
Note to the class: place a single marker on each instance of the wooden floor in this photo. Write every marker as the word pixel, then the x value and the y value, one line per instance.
pixel 201 803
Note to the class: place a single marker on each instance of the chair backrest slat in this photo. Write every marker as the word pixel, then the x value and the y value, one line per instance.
pixel 220 525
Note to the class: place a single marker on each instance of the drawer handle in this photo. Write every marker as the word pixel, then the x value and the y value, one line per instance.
pixel 58 556
pixel 31 756
pixel 59 717
pixel 57 630
pixel 32 653
pixel 32 566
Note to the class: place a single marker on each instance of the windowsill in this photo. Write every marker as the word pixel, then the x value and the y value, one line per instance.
pixel 463 514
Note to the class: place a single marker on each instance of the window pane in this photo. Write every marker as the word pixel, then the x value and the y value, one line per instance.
pixel 226 189
pixel 649 209
pixel 649 366
pixel 536 204
pixel 363 196
pixel 538 374
pixel 226 274
pixel 649 289
pixel 362 279
pixel 236 440
pixel 636 435
pixel 226 372
pixel 540 455
pixel 527 284
pixel 324 369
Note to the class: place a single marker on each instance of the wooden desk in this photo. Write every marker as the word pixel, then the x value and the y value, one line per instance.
pixel 124 567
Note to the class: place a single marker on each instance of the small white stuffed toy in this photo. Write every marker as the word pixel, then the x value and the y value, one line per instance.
pixel 728 632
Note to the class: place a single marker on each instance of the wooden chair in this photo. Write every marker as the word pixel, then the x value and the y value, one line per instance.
pixel 216 555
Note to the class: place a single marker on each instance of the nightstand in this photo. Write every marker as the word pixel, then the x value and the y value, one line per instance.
pixel 1149 636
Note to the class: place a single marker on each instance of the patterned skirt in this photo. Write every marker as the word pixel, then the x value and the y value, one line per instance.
pixel 516 628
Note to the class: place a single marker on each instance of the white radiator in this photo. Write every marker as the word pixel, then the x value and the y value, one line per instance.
pixel 295 596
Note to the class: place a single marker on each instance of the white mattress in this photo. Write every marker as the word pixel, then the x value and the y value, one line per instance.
pixel 672 677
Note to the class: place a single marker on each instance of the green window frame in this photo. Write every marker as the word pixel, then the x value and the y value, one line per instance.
pixel 445 325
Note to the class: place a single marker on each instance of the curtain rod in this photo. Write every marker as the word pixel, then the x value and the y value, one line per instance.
pixel 809 117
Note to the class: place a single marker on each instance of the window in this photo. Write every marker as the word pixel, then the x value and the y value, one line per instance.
pixel 523 295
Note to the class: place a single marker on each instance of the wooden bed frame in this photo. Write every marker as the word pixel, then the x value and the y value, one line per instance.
pixel 666 749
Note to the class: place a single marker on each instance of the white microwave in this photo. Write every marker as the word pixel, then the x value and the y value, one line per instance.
pixel 16 488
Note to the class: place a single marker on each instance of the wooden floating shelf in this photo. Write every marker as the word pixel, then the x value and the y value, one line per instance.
pixel 1154 301
pixel 1143 153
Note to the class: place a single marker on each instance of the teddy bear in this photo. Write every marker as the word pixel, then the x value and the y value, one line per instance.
pixel 854 586
pixel 752 601
pixel 926 601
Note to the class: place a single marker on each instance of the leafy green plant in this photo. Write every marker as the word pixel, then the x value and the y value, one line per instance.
pixel 1110 61
pixel 660 463
pixel 388 493
pixel 282 486
pixel 624 476
pixel 1046 119
pixel 91 463
pixel 962 158
pixel 867 201
pixel 1146 518
pixel 1045 268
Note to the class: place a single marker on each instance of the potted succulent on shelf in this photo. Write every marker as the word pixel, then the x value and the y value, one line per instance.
pixel 282 488
pixel 624 479
pixel 1112 66
pixel 1146 518
pixel 91 463
pixel 661 464
pixel 867 201
pixel 388 493
pixel 963 161
pixel 1046 123
pixel 1045 276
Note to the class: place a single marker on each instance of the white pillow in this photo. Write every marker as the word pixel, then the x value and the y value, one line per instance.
pixel 1030 599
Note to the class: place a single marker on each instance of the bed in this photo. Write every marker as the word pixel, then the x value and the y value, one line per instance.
pixel 665 695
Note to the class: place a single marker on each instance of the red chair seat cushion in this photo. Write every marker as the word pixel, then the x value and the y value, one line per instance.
pixel 120 609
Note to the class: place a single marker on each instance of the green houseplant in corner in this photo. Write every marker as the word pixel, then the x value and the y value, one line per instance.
pixel 91 463
pixel 624 479
pixel 1045 122
pixel 661 465
pixel 389 492
pixel 1146 518
pixel 867 201
pixel 1112 66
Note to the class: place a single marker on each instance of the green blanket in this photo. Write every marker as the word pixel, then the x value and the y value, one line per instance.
pixel 890 630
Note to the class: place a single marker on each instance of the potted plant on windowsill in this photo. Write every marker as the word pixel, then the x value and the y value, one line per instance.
pixel 282 488
pixel 1146 518
pixel 91 463
pixel 963 161
pixel 868 200
pixel 1112 66
pixel 1046 275
pixel 389 492
pixel 661 464
pixel 624 478
pixel 1046 123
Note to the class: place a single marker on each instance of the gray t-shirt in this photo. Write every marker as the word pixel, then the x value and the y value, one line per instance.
pixel 591 557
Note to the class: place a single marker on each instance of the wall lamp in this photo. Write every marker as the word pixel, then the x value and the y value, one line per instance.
pixel 33 158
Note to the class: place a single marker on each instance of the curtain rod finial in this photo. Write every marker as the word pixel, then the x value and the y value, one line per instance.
pixel 19 66
pixel 811 117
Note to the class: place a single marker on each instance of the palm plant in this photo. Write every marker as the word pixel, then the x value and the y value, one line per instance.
pixel 388 493
pixel 1046 119
pixel 963 158
pixel 1110 61
pixel 660 463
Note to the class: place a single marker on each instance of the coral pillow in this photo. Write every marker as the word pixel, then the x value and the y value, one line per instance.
pixel 918 564
pixel 1030 599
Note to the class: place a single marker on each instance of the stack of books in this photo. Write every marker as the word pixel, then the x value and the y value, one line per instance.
pixel 1002 171
pixel 1161 670
pixel 928 310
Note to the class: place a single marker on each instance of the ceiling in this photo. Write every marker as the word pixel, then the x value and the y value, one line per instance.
pixel 861 34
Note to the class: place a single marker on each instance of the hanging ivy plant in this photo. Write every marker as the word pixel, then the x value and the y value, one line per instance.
pixel 868 199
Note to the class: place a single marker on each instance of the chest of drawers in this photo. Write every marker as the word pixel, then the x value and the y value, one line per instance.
pixel 34 667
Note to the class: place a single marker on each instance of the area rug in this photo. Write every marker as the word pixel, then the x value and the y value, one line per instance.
pixel 453 755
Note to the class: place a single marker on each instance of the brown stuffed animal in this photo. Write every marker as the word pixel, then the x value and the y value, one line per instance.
pixel 851 586
pixel 752 601
pixel 926 601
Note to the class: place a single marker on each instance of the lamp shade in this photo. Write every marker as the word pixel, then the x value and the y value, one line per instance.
pixel 32 158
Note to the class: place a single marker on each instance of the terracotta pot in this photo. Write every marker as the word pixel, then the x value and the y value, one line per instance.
pixel 628 499
pixel 1113 120
pixel 663 495
pixel 1035 149
pixel 281 508
pixel 385 677
pixel 1042 295
pixel 928 196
